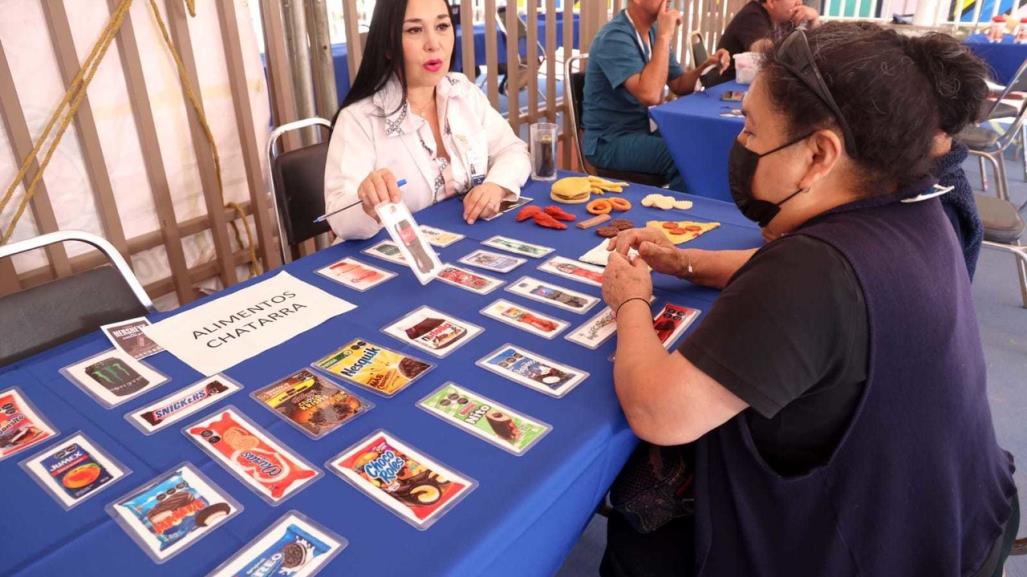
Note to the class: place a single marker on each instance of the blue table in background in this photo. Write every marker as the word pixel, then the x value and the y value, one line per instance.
pixel 523 518
pixel 699 137
pixel 1004 57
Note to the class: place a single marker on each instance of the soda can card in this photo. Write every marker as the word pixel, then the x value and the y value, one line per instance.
pixel 21 425
pixel 403 230
pixel 259 460
pixel 484 418
pixel 532 370
pixel 74 470
pixel 113 377
pixel 432 331
pixel 508 205
pixel 172 512
pixel 373 366
pixel 573 270
pixel 525 319
pixel 468 280
pixel 551 294
pixel 671 321
pixel 311 402
pixel 354 274
pixel 180 404
pixel 596 330
pixel 400 478
pixel 387 251
pixel 493 261
pixel 294 546
pixel 438 237
pixel 517 246
pixel 128 336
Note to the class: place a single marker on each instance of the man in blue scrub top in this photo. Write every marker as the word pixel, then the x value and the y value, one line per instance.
pixel 630 63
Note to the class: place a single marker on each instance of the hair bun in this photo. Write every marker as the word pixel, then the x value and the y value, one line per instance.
pixel 957 76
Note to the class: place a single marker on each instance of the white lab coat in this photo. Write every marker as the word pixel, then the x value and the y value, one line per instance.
pixel 381 132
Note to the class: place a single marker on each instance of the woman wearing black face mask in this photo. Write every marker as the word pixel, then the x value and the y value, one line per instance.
pixel 834 395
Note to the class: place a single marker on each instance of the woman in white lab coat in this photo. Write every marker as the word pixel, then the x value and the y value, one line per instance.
pixel 406 117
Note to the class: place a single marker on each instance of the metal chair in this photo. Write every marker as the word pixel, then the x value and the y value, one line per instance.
pixel 997 109
pixel 38 318
pixel 522 67
pixel 297 185
pixel 575 82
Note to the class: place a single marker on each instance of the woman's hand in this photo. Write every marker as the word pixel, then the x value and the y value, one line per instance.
pixel 721 59
pixel 653 246
pixel 624 280
pixel 483 201
pixel 379 186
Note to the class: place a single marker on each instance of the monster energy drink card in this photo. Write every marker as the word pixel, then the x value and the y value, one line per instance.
pixel 113 377
pixel 484 418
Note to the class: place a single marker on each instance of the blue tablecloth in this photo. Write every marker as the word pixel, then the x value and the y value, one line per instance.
pixel 524 517
pixel 699 137
pixel 1004 57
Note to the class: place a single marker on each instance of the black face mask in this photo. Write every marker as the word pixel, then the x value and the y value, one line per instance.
pixel 741 167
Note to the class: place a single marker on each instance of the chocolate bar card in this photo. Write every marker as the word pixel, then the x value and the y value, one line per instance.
pixel 573 270
pixel 438 237
pixel 484 418
pixel 128 336
pixel 311 402
pixel 415 248
pixel 525 319
pixel 468 280
pixel 293 546
pixel 181 404
pixel 373 366
pixel 517 246
pixel 256 458
pixel 532 370
pixel 21 425
pixel 113 377
pixel 493 261
pixel 433 331
pixel 552 294
pixel 387 251
pixel 173 511
pixel 74 470
pixel 405 481
pixel 354 274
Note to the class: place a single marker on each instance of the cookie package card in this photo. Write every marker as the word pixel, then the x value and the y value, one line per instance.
pixel 294 546
pixel 172 512
pixel 573 270
pixel 352 273
pixel 596 330
pixel 21 425
pixel 468 280
pixel 74 470
pixel 387 251
pixel 484 418
pixel 517 246
pixel 113 377
pixel 415 248
pixel 525 319
pixel 259 460
pixel 128 336
pixel 532 370
pixel 181 404
pixel 402 479
pixel 492 261
pixel 311 402
pixel 552 294
pixel 373 366
pixel 432 331
pixel 508 205
pixel 440 238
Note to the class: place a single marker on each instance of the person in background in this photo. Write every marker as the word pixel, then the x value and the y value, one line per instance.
pixel 755 25
pixel 630 64
pixel 407 117
pixel 835 394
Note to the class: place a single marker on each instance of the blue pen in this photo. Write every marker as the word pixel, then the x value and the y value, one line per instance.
pixel 399 183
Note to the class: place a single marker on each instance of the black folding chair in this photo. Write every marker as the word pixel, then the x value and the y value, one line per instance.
pixel 38 318
pixel 297 184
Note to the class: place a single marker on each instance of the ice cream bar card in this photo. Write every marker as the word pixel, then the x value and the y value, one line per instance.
pixel 484 418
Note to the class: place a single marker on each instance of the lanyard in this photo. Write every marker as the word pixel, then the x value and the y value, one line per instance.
pixel 647 55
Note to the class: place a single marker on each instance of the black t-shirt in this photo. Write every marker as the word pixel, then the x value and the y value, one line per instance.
pixel 789 336
pixel 752 23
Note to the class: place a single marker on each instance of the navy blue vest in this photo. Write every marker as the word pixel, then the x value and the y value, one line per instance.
pixel 918 484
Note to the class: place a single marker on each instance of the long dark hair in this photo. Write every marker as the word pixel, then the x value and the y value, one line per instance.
pixel 383 54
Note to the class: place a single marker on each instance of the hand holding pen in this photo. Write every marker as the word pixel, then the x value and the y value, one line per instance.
pixel 379 186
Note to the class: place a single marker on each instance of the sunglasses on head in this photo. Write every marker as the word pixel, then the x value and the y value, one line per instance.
pixel 796 57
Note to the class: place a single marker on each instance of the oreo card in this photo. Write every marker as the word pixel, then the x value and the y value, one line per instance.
pixel 294 546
